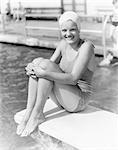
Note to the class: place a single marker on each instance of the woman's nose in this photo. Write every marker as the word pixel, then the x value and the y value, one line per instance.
pixel 68 32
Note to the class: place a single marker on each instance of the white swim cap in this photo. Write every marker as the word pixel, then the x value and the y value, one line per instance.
pixel 69 15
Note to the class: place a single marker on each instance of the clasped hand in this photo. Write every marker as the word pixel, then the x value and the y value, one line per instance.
pixel 34 69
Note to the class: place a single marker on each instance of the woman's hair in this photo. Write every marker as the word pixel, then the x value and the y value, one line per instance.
pixel 69 15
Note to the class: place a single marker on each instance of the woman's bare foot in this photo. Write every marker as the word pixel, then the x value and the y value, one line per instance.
pixel 23 123
pixel 32 124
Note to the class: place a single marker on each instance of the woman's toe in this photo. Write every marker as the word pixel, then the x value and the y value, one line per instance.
pixel 19 130
pixel 25 133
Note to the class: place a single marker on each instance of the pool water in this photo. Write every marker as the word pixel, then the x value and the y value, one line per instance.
pixel 13 95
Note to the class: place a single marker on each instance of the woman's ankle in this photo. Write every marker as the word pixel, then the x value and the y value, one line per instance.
pixel 38 115
pixel 29 110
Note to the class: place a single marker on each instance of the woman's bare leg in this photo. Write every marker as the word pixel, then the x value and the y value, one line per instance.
pixel 68 96
pixel 54 99
pixel 32 91
pixel 37 116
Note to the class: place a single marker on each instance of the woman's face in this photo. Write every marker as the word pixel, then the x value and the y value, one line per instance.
pixel 70 32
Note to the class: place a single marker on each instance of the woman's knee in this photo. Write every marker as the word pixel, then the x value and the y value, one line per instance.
pixel 38 60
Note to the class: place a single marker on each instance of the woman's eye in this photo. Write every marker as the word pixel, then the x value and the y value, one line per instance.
pixel 73 30
pixel 63 30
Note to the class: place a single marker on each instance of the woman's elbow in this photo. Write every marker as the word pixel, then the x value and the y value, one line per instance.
pixel 74 79
pixel 75 82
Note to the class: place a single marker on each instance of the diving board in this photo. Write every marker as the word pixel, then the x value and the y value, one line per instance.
pixel 91 129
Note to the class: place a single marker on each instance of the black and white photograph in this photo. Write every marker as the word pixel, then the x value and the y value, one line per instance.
pixel 58 74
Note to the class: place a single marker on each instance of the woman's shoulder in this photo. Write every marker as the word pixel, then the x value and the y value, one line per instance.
pixel 87 44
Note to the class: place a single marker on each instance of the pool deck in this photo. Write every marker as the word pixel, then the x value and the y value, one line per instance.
pixel 86 130
pixel 15 33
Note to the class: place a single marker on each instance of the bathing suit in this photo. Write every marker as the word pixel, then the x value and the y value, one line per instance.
pixel 66 65
pixel 83 84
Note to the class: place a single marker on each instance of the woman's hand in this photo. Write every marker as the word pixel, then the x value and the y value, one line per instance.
pixel 30 71
pixel 39 72
pixel 34 69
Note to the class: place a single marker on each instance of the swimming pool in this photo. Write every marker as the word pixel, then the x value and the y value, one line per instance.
pixel 13 95
pixel 13 91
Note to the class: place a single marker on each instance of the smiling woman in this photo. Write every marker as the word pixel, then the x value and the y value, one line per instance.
pixel 70 28
pixel 65 77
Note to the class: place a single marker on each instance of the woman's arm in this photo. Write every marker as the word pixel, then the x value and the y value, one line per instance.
pixel 81 64
pixel 85 54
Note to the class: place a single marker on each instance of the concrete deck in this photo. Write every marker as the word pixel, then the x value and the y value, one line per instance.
pixel 91 129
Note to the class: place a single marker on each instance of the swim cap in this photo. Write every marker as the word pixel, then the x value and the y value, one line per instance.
pixel 69 15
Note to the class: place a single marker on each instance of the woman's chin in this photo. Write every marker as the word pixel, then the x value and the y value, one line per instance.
pixel 69 41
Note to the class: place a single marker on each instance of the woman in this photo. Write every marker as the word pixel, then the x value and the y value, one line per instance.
pixel 113 35
pixel 66 77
